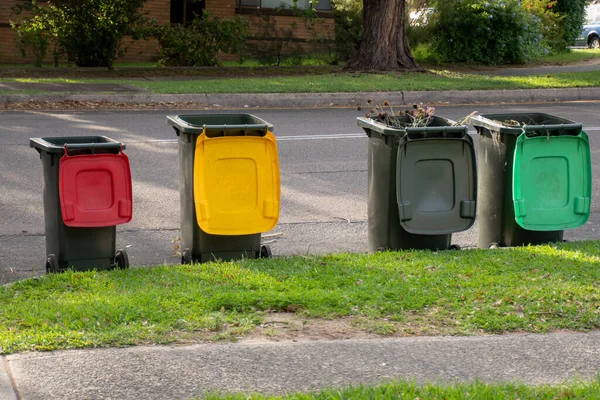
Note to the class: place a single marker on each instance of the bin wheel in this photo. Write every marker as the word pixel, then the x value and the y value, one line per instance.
pixel 52 265
pixel 454 247
pixel 494 246
pixel 186 256
pixel 265 251
pixel 121 259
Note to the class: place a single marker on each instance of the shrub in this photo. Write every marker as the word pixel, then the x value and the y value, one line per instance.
pixel 199 43
pixel 35 32
pixel 348 27
pixel 487 32
pixel 89 32
pixel 574 17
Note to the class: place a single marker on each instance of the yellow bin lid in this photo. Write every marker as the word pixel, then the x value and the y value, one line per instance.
pixel 236 184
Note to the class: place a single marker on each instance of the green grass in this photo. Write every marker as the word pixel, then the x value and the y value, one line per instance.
pixel 344 82
pixel 402 389
pixel 575 55
pixel 532 289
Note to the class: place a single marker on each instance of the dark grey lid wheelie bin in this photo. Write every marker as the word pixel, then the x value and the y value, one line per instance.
pixel 234 180
pixel 534 178
pixel 422 184
pixel 84 238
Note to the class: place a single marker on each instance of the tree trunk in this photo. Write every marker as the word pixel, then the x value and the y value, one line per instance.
pixel 384 45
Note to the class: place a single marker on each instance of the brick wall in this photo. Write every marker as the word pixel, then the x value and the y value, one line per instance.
pixel 146 50
pixel 221 8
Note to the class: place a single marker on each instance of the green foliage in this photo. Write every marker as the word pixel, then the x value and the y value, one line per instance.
pixel 36 31
pixel 199 43
pixel 551 20
pixel 88 32
pixel 487 32
pixel 574 17
pixel 348 27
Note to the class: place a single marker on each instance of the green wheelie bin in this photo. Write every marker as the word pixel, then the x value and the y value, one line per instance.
pixel 87 192
pixel 534 178
pixel 422 184
pixel 229 185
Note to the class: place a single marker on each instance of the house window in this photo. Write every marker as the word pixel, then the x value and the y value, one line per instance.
pixel 184 11
pixel 321 5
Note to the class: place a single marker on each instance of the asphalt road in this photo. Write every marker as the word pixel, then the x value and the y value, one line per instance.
pixel 323 162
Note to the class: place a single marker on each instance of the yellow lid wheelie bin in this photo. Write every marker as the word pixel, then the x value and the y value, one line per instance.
pixel 229 185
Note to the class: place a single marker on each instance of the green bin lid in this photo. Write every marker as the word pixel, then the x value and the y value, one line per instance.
pixel 436 181
pixel 552 181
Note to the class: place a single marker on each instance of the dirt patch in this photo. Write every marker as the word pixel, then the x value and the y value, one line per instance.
pixel 290 327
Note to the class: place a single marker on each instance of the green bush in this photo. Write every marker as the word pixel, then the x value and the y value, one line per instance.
pixel 199 43
pixel 487 32
pixel 348 27
pixel 574 17
pixel 551 20
pixel 88 32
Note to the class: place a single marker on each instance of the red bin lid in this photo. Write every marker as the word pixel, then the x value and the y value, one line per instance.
pixel 95 190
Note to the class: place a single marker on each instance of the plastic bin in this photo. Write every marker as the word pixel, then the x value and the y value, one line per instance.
pixel 87 192
pixel 229 185
pixel 534 178
pixel 422 184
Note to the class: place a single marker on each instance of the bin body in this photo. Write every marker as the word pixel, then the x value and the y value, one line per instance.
pixel 76 248
pixel 390 221
pixel 202 246
pixel 497 143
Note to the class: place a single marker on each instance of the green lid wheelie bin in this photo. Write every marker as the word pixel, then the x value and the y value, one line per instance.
pixel 87 192
pixel 422 184
pixel 229 185
pixel 534 178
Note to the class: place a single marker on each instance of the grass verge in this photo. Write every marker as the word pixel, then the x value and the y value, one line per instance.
pixel 402 389
pixel 533 289
pixel 344 82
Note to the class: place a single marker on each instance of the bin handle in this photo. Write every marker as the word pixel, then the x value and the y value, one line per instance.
pixel 439 129
pixel 555 127
pixel 93 146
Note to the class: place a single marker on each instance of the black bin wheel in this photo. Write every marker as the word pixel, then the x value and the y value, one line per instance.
pixel 121 259
pixel 265 251
pixel 494 245
pixel 455 247
pixel 52 265
pixel 186 256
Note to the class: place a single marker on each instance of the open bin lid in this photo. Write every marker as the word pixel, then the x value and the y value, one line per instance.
pixel 552 180
pixel 95 190
pixel 236 182
pixel 436 180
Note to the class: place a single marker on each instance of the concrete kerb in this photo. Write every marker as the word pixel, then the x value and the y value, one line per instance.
pixel 287 100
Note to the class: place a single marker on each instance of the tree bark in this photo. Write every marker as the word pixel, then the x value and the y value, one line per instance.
pixel 384 45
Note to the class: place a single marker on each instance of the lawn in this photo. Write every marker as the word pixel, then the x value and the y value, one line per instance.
pixel 341 82
pixel 409 390
pixel 469 292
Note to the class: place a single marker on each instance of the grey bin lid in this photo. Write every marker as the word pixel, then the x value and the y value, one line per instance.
pixel 436 184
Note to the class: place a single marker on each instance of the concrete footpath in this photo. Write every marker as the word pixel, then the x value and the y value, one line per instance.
pixel 182 372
